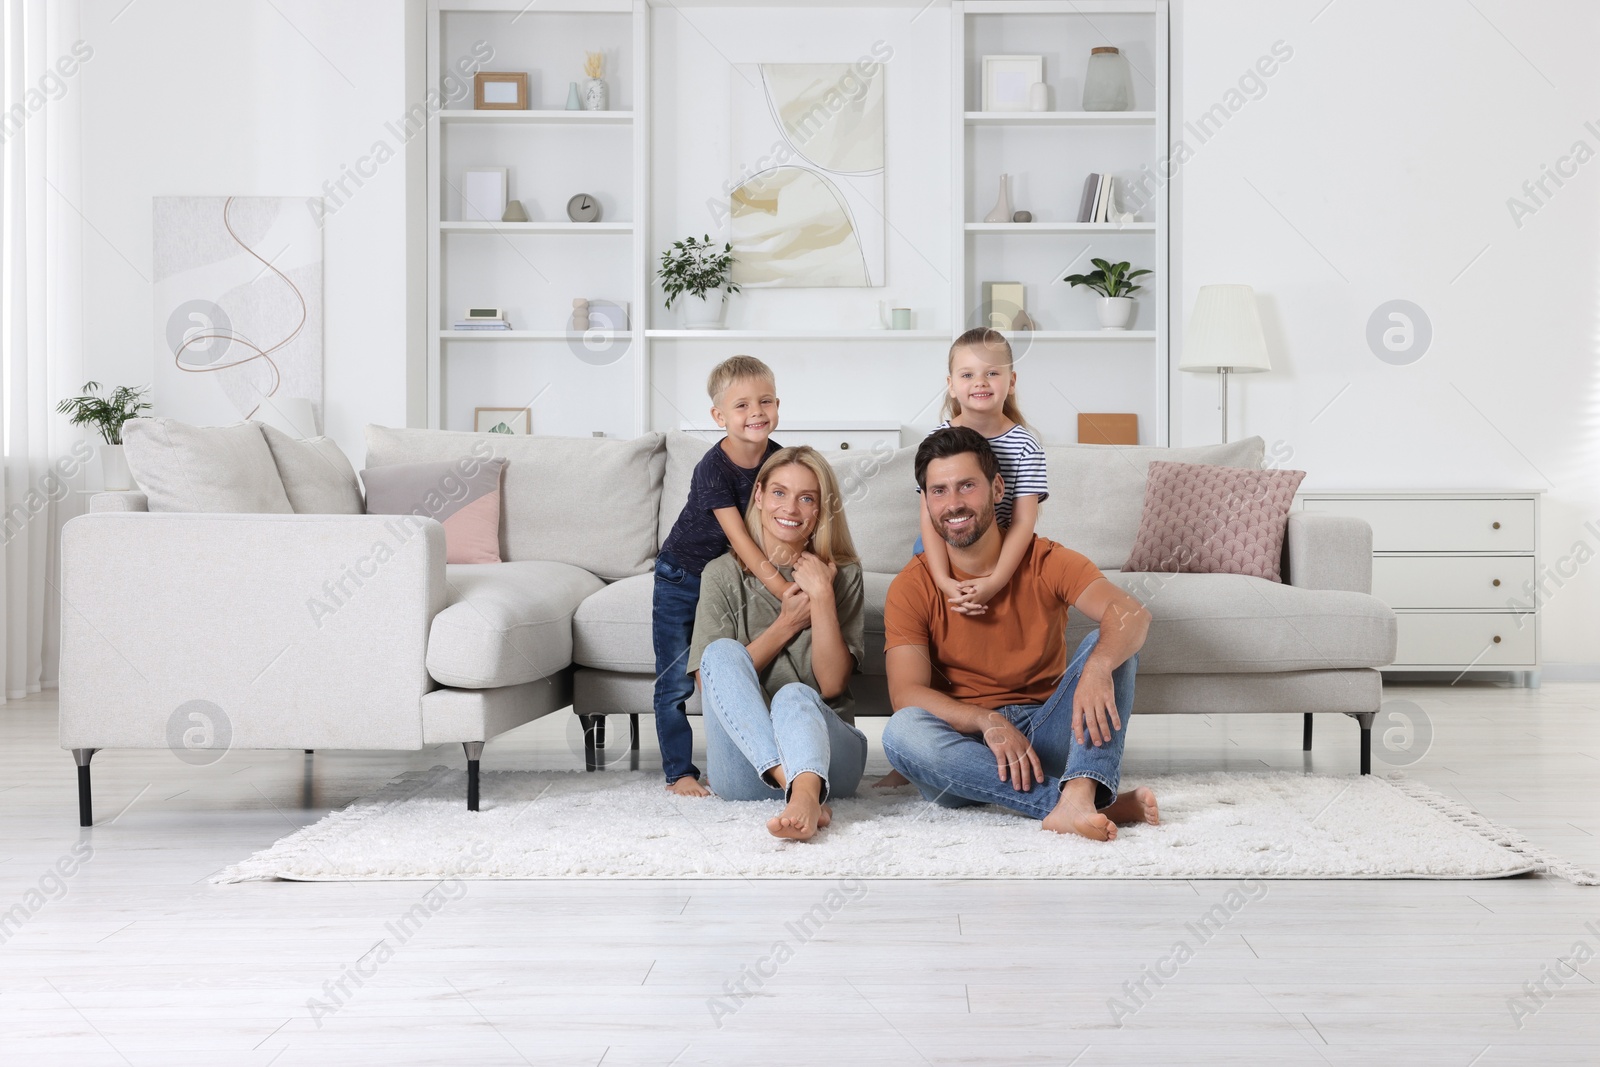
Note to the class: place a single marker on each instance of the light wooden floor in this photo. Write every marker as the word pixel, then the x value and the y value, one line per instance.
pixel 140 961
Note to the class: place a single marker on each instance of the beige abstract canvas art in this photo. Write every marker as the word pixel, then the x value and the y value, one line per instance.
pixel 807 203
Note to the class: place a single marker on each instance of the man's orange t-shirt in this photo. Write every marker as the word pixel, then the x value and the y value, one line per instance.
pixel 1015 653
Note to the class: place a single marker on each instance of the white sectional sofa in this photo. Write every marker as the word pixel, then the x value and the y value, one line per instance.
pixel 163 609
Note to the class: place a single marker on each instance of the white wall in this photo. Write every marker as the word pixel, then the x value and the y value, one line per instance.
pixel 243 97
pixel 1381 157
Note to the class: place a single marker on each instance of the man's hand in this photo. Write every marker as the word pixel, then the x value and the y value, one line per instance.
pixel 815 576
pixel 796 615
pixel 1014 756
pixel 1094 704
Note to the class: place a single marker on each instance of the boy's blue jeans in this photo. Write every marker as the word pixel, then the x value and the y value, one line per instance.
pixel 953 769
pixel 676 595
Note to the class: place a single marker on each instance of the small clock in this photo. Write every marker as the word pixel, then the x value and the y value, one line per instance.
pixel 583 208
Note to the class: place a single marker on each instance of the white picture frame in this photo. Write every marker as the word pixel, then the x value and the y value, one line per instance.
pixel 483 194
pixel 1007 79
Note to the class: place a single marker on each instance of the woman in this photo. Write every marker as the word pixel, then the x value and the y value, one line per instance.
pixel 774 672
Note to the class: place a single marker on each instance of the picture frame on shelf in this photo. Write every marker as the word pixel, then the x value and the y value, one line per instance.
pixel 483 194
pixel 514 420
pixel 1008 81
pixel 500 91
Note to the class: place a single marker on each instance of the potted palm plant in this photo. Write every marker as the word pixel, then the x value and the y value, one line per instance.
pixel 107 414
pixel 1114 283
pixel 695 270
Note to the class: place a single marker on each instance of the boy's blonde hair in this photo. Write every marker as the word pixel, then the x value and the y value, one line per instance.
pixel 831 539
pixel 993 343
pixel 733 369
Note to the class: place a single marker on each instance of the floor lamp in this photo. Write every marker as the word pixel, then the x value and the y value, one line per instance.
pixel 1224 336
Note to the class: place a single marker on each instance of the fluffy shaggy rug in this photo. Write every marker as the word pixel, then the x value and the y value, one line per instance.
pixel 611 825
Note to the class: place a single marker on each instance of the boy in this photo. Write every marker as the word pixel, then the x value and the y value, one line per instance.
pixel 745 404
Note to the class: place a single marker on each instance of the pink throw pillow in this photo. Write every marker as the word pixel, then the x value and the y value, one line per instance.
pixel 1201 519
pixel 464 495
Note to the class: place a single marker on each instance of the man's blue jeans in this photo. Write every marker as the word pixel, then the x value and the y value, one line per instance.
pixel 954 769
pixel 677 594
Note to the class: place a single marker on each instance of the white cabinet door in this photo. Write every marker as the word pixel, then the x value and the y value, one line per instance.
pixel 1451 581
pixel 1438 639
pixel 1440 525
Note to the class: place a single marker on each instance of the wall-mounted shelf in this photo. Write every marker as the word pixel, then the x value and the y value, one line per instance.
pixel 536 227
pixel 568 118
pixel 515 335
pixel 1080 335
pixel 1061 227
pixel 795 335
pixel 1060 118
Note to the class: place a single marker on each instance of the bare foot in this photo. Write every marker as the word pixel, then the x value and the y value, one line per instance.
pixel 892 780
pixel 1074 813
pixel 1137 805
pixel 688 786
pixel 805 813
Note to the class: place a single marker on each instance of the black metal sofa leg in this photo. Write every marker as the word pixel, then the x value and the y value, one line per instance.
pixel 1305 740
pixel 1365 719
pixel 633 732
pixel 85 792
pixel 474 755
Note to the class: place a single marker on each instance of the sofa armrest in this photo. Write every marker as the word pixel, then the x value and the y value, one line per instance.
pixel 306 631
pixel 133 500
pixel 1324 551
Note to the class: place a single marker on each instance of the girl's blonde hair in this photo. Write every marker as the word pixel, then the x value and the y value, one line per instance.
pixel 993 342
pixel 831 539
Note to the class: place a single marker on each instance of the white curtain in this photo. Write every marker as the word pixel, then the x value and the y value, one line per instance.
pixel 40 353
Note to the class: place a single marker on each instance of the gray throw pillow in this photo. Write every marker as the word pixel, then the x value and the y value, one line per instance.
pixel 212 469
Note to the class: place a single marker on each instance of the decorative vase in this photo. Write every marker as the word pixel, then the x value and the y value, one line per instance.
pixel 573 103
pixel 1107 85
pixel 705 312
pixel 1114 312
pixel 114 469
pixel 596 95
pixel 1001 212
pixel 1038 97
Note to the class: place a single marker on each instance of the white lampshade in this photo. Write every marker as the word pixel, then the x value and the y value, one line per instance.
pixel 1225 332
pixel 293 415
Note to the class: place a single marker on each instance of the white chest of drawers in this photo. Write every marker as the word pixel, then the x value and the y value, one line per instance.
pixel 1460 568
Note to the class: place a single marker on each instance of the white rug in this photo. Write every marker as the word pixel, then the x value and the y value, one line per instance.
pixel 611 825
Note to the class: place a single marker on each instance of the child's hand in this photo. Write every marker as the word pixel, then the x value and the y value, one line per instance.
pixel 951 589
pixel 796 609
pixel 974 596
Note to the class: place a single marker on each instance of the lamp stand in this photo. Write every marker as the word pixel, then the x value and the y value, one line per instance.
pixel 1222 372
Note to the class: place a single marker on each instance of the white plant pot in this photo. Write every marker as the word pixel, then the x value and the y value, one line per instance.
pixel 705 312
pixel 114 469
pixel 1114 312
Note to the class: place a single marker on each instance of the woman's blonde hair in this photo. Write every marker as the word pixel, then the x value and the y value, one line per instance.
pixel 993 342
pixel 831 539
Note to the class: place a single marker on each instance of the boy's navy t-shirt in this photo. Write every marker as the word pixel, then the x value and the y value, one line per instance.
pixel 718 482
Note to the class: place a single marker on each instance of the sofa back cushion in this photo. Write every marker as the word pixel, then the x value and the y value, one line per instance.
pixel 1097 491
pixel 588 501
pixel 211 469
pixel 316 474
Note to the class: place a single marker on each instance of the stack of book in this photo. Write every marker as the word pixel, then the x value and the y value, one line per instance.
pixel 483 324
pixel 1098 203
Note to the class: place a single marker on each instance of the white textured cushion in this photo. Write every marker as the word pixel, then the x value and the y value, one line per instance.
pixel 591 502
pixel 611 630
pixel 317 477
pixel 683 452
pixel 212 469
pixel 506 623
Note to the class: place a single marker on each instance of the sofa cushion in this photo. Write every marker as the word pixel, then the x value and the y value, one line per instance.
pixel 1097 491
pixel 1232 623
pixel 210 469
pixel 506 623
pixel 316 475
pixel 683 451
pixel 614 485
pixel 1200 518
pixel 875 588
pixel 611 630
pixel 463 495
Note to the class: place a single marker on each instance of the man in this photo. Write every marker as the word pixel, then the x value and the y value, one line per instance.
pixel 988 708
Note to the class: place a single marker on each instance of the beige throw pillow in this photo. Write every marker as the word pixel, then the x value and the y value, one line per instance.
pixel 317 477
pixel 204 468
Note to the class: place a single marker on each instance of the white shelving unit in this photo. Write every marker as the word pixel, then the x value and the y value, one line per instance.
pixel 1061 147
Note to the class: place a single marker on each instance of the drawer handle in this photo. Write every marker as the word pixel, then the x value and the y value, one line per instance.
pixel 1497 583
pixel 846 444
pixel 1497 639
pixel 1497 526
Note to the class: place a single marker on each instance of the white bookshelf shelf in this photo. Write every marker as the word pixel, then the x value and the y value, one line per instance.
pixel 794 335
pixel 560 118
pixel 536 227
pixel 511 335
pixel 1060 118
pixel 1082 335
pixel 1061 227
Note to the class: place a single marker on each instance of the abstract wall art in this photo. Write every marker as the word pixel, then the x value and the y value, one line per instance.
pixel 807 203
pixel 238 305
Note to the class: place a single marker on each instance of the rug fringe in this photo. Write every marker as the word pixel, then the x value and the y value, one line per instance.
pixel 1467 818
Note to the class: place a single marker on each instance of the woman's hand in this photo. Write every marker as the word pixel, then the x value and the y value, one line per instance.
pixel 815 577
pixel 796 615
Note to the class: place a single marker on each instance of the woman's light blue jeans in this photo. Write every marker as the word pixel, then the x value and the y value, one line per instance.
pixel 745 739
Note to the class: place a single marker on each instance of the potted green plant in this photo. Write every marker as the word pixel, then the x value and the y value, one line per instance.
pixel 1114 283
pixel 107 414
pixel 697 271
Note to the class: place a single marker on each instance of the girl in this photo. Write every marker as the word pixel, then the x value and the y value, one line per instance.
pixel 982 397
